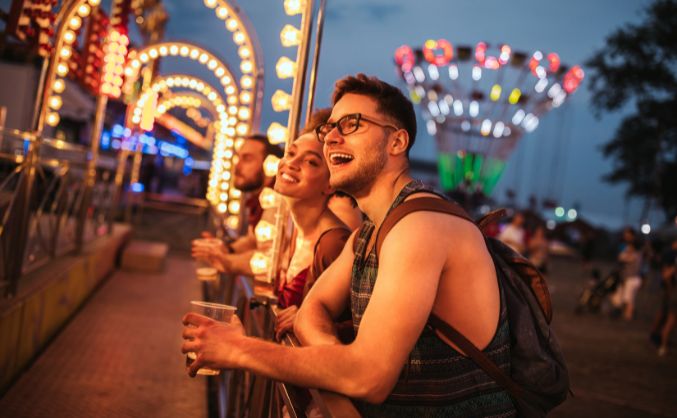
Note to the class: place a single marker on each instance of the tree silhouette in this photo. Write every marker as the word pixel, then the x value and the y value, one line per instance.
pixel 637 67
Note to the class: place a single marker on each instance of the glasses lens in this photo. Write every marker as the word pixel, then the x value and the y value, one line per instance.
pixel 349 124
pixel 323 130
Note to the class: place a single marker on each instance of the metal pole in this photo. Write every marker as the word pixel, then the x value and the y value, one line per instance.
pixel 90 175
pixel 40 91
pixel 117 193
pixel 19 219
pixel 316 59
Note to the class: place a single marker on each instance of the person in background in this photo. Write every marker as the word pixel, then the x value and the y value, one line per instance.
pixel 666 317
pixel 513 233
pixel 538 249
pixel 248 177
pixel 630 260
pixel 319 234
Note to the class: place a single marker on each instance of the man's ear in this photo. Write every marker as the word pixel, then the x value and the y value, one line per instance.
pixel 400 142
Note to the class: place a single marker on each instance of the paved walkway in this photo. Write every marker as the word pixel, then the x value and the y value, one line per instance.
pixel 119 356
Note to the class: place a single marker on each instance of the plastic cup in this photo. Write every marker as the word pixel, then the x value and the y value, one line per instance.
pixel 204 243
pixel 207 274
pixel 217 312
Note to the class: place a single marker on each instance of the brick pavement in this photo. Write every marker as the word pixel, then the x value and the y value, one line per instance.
pixel 119 356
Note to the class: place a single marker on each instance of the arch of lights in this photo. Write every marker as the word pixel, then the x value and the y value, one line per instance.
pixel 69 20
pixel 479 101
pixel 185 100
pixel 220 193
pixel 248 49
pixel 206 58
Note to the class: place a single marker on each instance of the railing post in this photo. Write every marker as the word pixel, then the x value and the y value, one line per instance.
pixel 90 175
pixel 19 218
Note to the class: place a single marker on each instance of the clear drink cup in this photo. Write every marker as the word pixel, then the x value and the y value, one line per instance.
pixel 218 312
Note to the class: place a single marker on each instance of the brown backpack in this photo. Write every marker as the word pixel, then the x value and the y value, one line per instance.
pixel 538 379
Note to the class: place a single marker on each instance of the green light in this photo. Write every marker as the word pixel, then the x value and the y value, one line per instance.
pixel 559 211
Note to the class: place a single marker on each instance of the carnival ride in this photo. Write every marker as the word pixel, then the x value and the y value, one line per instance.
pixel 479 101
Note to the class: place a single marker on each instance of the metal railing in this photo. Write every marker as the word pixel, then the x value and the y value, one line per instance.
pixel 52 202
pixel 243 394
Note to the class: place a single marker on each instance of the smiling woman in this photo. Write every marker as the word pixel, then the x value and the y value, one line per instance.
pixel 319 235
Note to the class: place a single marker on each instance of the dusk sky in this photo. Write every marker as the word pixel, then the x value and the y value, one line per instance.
pixel 361 36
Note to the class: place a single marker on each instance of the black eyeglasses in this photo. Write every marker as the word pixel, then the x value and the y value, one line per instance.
pixel 347 125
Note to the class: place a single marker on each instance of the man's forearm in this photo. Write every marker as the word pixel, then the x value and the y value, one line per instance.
pixel 239 263
pixel 315 326
pixel 330 367
pixel 244 243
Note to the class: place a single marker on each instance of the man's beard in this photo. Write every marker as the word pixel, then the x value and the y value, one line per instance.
pixel 360 182
pixel 252 185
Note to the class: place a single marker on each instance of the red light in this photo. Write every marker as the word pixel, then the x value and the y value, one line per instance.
pixel 438 52
pixel 553 60
pixel 404 57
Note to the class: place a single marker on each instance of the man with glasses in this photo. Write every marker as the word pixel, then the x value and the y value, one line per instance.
pixel 428 263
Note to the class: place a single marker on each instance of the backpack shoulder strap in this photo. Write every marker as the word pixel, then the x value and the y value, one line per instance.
pixel 429 204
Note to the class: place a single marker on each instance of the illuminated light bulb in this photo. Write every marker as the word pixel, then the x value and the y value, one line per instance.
pixel 231 24
pixel 264 231
pixel 211 96
pixel 259 263
pixel 476 73
pixel 84 10
pixel 69 37
pixel 235 193
pixel 212 64
pixel 234 207
pixel 222 12
pixel 184 51
pixel 233 222
pixel 239 37
pixel 224 186
pixel 285 68
pixel 290 36
pixel 232 110
pixel 94 3
pixel 75 22
pixel 515 95
pixel 55 102
pixel 135 64
pixel 153 53
pixel 486 127
pixel 270 165
pixel 144 58
pixel 242 129
pixel 173 50
pixel 203 58
pixel 246 82
pixel 244 52
pixel 223 197
pixel 268 198
pixel 238 143
pixel 222 208
pixel 230 90
pixel 225 80
pixel 495 92
pixel 59 86
pixel 245 97
pixel 246 66
pixel 163 51
pixel 277 133
pixel 293 7
pixel 52 119
pixel 194 53
pixel 244 113
pixel 62 69
pixel 281 101
pixel 225 176
pixel 231 99
pixel 219 72
pixel 210 3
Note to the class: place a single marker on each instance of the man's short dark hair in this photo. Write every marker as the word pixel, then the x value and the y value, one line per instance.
pixel 317 118
pixel 269 148
pixel 391 101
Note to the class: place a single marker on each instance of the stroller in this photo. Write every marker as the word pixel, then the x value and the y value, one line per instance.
pixel 597 290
